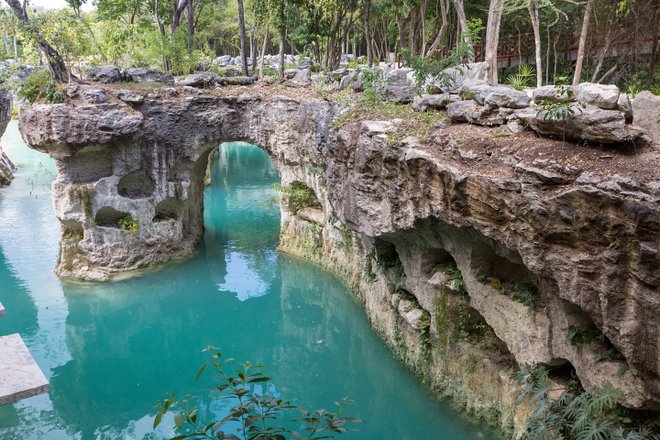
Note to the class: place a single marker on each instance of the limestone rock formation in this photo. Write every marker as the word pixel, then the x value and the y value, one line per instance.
pixel 646 114
pixel 534 247
pixel 6 165
pixel 105 74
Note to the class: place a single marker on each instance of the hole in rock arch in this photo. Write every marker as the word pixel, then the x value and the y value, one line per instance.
pixel 109 217
pixel 88 165
pixel 168 209
pixel 136 185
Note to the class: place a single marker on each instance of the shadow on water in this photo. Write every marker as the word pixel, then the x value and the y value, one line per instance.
pixel 130 341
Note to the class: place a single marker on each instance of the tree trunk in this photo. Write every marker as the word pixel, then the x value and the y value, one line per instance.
pixel 603 53
pixel 583 42
pixel 443 29
pixel 55 63
pixel 161 30
pixel 191 26
pixel 462 24
pixel 177 15
pixel 282 38
pixel 263 51
pixel 254 51
pixel 367 36
pixel 422 19
pixel 492 38
pixel 654 50
pixel 241 24
pixel 534 15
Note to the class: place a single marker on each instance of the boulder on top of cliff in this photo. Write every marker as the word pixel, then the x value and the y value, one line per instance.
pixel 290 73
pixel 552 93
pixel 223 60
pixel 475 90
pixel 140 75
pixel 237 80
pixel 504 96
pixel 95 96
pixel 400 94
pixel 105 74
pixel 303 78
pixel 646 114
pixel 200 80
pixel 592 124
pixel 129 96
pixel 605 96
pixel 453 78
pixel 470 111
pixel 398 77
pixel 428 102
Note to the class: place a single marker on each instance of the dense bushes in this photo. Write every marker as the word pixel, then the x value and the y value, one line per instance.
pixel 40 85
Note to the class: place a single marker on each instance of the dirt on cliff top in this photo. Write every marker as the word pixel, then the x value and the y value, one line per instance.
pixel 266 90
pixel 492 151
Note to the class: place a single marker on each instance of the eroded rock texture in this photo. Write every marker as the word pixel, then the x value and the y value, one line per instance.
pixel 6 165
pixel 540 254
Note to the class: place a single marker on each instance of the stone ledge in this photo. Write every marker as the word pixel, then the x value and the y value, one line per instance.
pixel 20 376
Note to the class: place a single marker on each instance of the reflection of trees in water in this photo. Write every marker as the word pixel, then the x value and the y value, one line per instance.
pixel 21 313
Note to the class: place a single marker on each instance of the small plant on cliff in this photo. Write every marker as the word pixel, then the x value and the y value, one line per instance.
pixel 594 414
pixel 255 414
pixel 128 223
pixel 40 85
pixel 297 196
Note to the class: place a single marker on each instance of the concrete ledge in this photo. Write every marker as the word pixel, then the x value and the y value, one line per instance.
pixel 20 376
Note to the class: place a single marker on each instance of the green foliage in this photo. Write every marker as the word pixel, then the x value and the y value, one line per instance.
pixel 523 78
pixel 556 111
pixel 595 414
pixel 297 196
pixel 39 85
pixel 255 413
pixel 434 68
pixel 128 223
pixel 452 270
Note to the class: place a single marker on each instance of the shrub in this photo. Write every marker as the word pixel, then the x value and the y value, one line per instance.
pixel 254 416
pixel 128 223
pixel 522 78
pixel 595 414
pixel 297 196
pixel 41 85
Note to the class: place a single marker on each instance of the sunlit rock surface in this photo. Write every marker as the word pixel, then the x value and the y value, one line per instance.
pixel 129 195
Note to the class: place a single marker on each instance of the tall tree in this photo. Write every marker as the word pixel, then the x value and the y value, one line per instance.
pixel 492 38
pixel 533 8
pixel 367 33
pixel 241 23
pixel 55 61
pixel 583 42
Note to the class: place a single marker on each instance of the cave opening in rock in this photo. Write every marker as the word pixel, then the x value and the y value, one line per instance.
pixel 109 217
pixel 136 185
pixel 168 209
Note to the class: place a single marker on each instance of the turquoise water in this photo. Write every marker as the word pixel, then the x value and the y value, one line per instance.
pixel 111 350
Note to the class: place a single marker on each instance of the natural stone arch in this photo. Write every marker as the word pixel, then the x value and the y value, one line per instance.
pixel 156 155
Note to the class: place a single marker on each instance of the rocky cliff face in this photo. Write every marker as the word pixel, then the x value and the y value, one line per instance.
pixel 472 255
pixel 6 166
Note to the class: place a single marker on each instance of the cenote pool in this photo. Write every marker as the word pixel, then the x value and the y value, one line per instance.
pixel 112 350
